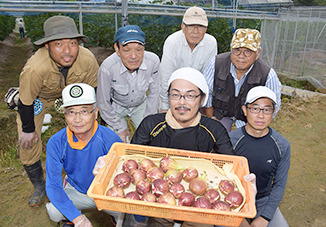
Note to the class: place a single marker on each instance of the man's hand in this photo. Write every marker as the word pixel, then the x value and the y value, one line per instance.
pixel 82 221
pixel 100 163
pixel 123 135
pixel 259 222
pixel 27 140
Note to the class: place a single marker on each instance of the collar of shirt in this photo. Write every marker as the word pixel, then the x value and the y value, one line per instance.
pixel 172 122
pixel 78 145
pixel 237 83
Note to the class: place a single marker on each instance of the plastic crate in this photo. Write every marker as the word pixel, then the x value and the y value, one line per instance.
pixel 209 216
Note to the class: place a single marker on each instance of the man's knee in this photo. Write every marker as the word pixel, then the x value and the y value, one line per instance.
pixel 54 213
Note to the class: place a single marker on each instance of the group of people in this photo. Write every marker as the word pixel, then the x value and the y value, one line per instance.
pixel 165 100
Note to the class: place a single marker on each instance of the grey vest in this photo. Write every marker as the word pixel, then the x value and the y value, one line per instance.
pixel 224 101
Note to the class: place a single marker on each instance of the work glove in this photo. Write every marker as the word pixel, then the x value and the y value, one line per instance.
pixel 252 179
pixel 83 222
pixel 100 163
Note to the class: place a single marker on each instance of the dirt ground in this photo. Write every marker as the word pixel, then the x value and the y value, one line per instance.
pixel 301 121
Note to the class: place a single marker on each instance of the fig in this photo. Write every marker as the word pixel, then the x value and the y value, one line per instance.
pixel 146 164
pixel 132 195
pixel 129 165
pixel 122 180
pixel 202 202
pixel 167 163
pixel 189 174
pixel 159 187
pixel 221 205
pixel 177 189
pixel 186 199
pixel 226 186
pixel 173 176
pixel 212 195
pixel 137 175
pixel 234 199
pixel 198 186
pixel 167 198
pixel 155 173
pixel 116 191
pixel 143 187
pixel 148 197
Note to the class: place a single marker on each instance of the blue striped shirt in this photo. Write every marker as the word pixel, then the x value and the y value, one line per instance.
pixel 272 83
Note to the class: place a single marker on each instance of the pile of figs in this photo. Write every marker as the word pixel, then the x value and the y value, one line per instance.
pixel 163 184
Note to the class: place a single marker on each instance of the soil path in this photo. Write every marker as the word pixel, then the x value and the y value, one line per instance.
pixel 301 121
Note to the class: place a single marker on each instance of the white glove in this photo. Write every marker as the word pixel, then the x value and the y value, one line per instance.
pixel 100 163
pixel 83 222
pixel 252 178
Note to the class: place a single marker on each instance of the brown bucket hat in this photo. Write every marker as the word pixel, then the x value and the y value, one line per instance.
pixel 60 27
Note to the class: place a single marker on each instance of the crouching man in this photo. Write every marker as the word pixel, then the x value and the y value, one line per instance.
pixel 75 149
pixel 268 154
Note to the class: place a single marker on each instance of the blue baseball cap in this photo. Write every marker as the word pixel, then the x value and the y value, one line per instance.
pixel 129 34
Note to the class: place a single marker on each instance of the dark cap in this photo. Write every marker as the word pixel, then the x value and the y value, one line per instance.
pixel 129 34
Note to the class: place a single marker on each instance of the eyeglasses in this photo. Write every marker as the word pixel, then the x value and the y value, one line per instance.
pixel 175 96
pixel 192 27
pixel 246 52
pixel 82 113
pixel 256 110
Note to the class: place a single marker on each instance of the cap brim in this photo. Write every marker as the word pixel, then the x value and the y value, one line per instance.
pixel 132 41
pixel 239 45
pixel 258 97
pixel 195 22
pixel 78 102
pixel 61 36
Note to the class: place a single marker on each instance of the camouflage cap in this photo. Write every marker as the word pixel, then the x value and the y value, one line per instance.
pixel 246 37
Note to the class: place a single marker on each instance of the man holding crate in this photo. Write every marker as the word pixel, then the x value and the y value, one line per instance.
pixel 182 126
pixel 75 149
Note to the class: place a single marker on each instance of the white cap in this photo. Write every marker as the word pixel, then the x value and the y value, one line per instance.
pixel 260 92
pixel 193 76
pixel 78 94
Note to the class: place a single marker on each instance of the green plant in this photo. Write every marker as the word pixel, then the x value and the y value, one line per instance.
pixel 7 23
pixel 9 156
pixel 100 28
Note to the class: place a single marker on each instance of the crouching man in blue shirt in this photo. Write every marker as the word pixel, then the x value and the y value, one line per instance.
pixel 268 154
pixel 75 149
